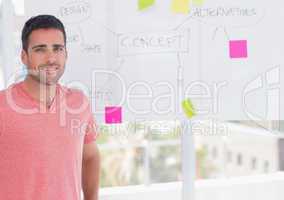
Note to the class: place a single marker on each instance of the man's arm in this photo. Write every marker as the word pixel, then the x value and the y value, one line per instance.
pixel 90 171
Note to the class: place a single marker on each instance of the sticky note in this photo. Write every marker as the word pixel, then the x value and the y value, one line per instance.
pixel 143 4
pixel 188 108
pixel 198 2
pixel 113 115
pixel 180 6
pixel 238 49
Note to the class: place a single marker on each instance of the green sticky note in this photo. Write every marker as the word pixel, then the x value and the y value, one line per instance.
pixel 180 6
pixel 188 108
pixel 143 4
pixel 198 2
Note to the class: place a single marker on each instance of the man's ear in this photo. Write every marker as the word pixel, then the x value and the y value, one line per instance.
pixel 24 57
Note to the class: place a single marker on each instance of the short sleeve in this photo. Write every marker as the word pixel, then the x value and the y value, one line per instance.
pixel 91 130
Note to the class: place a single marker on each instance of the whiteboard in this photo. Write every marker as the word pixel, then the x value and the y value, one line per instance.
pixel 226 55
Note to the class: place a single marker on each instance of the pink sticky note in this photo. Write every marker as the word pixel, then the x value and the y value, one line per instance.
pixel 238 49
pixel 113 115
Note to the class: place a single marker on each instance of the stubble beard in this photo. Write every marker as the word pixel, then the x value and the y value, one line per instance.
pixel 42 78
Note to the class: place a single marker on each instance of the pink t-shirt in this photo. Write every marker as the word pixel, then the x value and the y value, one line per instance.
pixel 40 148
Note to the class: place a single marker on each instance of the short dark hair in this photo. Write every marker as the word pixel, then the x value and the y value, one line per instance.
pixel 39 22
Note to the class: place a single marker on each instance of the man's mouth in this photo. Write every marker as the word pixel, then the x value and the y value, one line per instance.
pixel 50 70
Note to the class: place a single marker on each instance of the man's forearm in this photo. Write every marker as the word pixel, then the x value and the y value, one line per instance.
pixel 90 177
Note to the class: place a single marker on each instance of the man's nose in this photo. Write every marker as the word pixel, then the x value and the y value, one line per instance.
pixel 51 57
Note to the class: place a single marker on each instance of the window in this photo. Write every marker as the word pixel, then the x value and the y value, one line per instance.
pixel 19 6
pixel 214 153
pixel 266 166
pixel 253 163
pixel 229 157
pixel 239 159
pixel 139 153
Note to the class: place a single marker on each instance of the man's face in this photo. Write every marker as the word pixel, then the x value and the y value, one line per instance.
pixel 46 55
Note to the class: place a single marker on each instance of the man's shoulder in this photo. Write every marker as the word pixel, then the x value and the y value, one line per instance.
pixel 2 93
pixel 6 95
pixel 2 96
pixel 9 91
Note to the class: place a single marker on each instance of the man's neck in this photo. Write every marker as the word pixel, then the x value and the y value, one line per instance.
pixel 44 93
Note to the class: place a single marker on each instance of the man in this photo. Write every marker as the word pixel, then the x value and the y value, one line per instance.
pixel 47 131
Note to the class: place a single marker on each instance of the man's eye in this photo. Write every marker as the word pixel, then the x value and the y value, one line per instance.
pixel 39 50
pixel 58 49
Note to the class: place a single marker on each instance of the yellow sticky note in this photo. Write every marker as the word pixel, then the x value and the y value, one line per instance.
pixel 180 6
pixel 188 108
pixel 198 2
pixel 143 4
